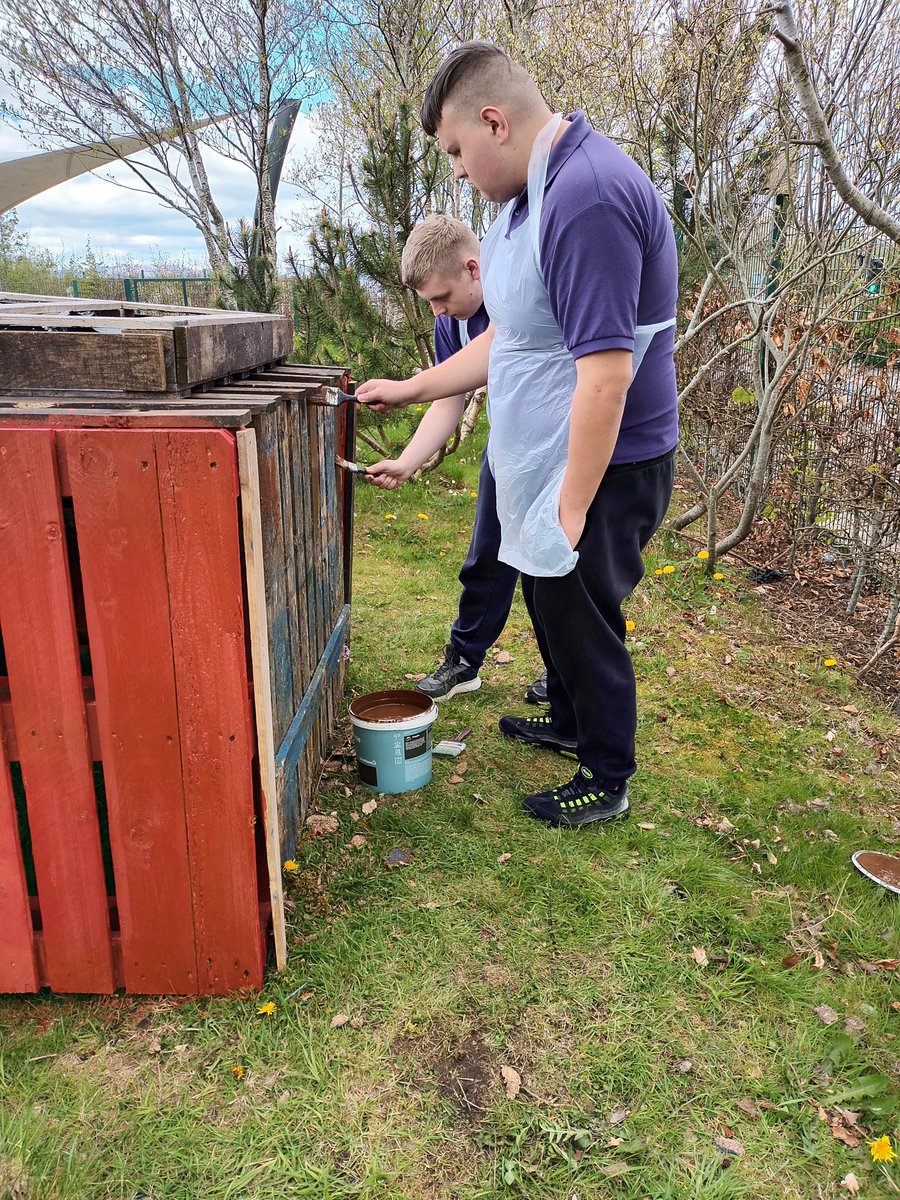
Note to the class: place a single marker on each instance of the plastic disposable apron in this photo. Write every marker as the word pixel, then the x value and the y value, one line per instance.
pixel 531 381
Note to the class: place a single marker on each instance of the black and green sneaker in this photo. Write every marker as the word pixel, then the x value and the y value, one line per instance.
pixel 581 801
pixel 538 731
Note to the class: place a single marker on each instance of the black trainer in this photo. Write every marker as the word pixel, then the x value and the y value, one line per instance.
pixel 537 731
pixel 452 677
pixel 581 801
pixel 537 693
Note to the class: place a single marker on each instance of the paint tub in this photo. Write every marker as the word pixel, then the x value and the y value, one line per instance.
pixel 392 731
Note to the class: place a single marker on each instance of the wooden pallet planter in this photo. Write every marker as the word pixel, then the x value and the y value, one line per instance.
pixel 174 606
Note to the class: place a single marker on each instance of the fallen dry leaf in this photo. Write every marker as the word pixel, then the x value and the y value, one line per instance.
pixel 698 954
pixel 503 657
pixel 724 826
pixel 369 807
pixel 501 858
pixel 413 676
pixel 321 824
pixel 791 960
pixel 339 1020
pixel 617 1116
pixel 854 1026
pixel 357 840
pixel 646 825
pixel 455 779
pixel 850 1182
pixel 826 1014
pixel 610 1170
pixel 748 1107
pixel 461 767
pixel 730 1146
pixel 513 1081
pixel 356 1022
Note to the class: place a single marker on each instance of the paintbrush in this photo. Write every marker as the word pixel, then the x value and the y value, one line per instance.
pixel 333 397
pixel 351 466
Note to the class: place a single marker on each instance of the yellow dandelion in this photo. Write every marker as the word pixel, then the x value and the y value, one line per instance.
pixel 390 516
pixel 882 1150
pixel 629 625
pixel 422 516
pixel 658 571
pixel 668 570
pixel 237 1071
pixel 420 408
pixel 830 662
pixel 703 554
pixel 474 495
pixel 266 1010
pixel 718 575
pixel 290 865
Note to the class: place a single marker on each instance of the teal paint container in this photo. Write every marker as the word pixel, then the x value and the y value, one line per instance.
pixel 392 732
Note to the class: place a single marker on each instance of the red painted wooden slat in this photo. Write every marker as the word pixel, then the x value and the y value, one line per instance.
pixel 198 494
pixel 120 540
pixel 39 638
pixel 18 963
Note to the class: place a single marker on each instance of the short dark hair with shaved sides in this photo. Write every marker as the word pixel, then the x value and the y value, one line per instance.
pixel 457 69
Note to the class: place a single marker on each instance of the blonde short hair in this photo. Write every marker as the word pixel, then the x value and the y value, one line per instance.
pixel 437 244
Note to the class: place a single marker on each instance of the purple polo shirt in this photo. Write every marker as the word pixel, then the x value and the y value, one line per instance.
pixel 609 264
pixel 446 333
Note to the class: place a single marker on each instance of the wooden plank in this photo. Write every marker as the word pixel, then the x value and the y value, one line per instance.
pixel 348 485
pixel 273 548
pixel 291 748
pixel 8 726
pixel 18 962
pixel 120 542
pixel 198 488
pixel 114 401
pixel 39 638
pixel 48 359
pixel 254 574
pixel 112 418
pixel 179 319
pixel 209 351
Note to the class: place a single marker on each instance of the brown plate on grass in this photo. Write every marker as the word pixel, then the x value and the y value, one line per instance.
pixel 883 869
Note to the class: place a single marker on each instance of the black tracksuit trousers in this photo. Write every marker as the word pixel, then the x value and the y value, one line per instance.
pixel 579 623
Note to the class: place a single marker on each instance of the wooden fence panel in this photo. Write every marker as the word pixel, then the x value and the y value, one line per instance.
pixel 115 491
pixel 198 493
pixel 41 645
pixel 18 968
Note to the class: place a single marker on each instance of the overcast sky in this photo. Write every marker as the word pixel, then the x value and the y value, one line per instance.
pixel 129 225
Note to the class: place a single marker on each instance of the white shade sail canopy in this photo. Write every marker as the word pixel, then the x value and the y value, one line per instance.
pixel 22 178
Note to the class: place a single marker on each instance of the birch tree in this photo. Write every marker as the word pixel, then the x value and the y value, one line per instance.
pixel 89 72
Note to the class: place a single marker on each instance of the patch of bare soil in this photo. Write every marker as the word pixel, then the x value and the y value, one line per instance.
pixel 467 1076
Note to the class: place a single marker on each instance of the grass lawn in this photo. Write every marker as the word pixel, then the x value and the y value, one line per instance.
pixel 700 1003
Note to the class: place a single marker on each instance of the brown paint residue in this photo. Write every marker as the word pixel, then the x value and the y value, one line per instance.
pixel 396 705
pixel 885 867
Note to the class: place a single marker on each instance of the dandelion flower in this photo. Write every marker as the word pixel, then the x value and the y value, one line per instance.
pixel 668 570
pixel 291 865
pixel 237 1071
pixel 422 516
pixel 474 495
pixel 830 662
pixel 718 575
pixel 882 1150
pixel 266 1010
pixel 703 554
pixel 390 516
pixel 658 571
pixel 420 408
pixel 629 625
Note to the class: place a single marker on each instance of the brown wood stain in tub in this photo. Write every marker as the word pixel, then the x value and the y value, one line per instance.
pixel 884 867
pixel 397 705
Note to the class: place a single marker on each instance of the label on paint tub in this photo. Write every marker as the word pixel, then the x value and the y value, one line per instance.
pixel 368 772
pixel 417 744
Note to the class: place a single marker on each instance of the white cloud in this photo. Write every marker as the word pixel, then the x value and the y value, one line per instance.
pixel 128 224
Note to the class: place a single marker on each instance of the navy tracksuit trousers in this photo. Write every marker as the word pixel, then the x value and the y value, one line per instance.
pixel 577 618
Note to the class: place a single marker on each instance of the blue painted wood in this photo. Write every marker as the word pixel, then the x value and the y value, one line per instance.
pixel 291 749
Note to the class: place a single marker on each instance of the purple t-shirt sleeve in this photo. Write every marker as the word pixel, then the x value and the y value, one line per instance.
pixel 446 338
pixel 603 248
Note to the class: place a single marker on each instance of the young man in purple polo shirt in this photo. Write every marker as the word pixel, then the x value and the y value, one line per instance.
pixel 441 262
pixel 580 279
